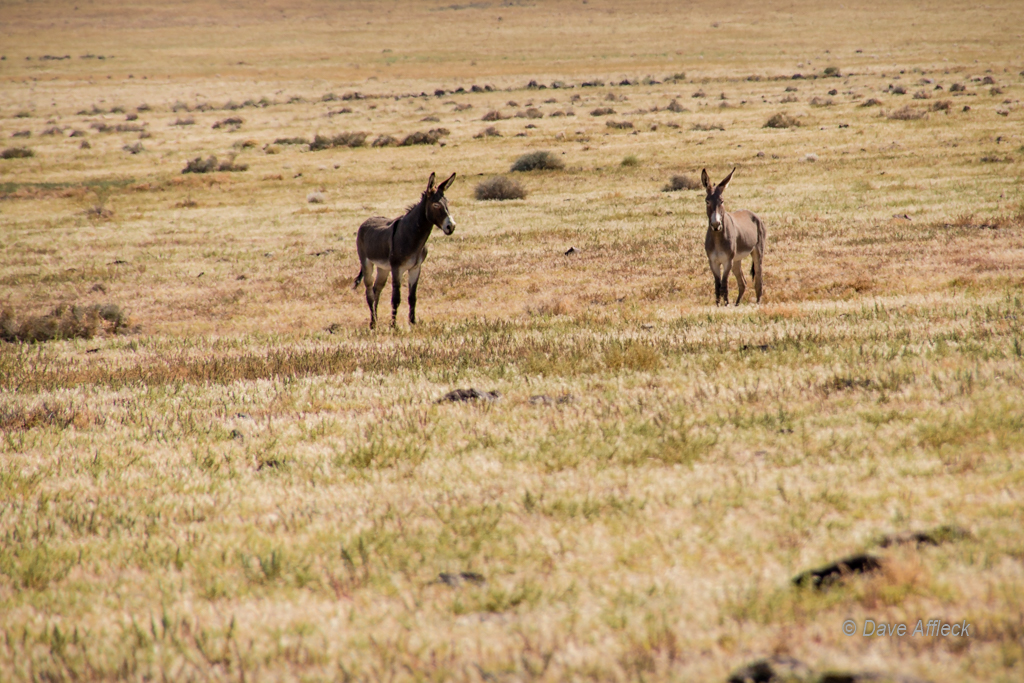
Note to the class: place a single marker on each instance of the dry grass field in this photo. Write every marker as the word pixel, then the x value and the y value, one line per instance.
pixel 211 470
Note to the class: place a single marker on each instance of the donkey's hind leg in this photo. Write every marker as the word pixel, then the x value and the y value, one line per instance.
pixel 414 280
pixel 373 292
pixel 757 270
pixel 741 285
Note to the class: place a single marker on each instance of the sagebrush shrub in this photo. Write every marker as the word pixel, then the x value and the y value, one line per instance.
pixel 500 188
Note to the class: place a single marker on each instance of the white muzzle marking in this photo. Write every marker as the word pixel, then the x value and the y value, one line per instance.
pixel 716 220
pixel 448 226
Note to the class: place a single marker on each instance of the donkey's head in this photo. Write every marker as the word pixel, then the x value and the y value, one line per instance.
pixel 715 206
pixel 437 205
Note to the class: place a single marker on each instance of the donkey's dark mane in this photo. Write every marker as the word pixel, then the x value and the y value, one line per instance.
pixel 421 203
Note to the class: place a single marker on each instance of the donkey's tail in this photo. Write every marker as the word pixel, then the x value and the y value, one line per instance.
pixel 355 285
pixel 761 238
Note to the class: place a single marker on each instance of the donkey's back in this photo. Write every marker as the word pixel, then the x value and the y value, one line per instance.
pixel 373 239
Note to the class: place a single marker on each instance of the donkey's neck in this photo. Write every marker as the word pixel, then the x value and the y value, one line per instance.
pixel 413 229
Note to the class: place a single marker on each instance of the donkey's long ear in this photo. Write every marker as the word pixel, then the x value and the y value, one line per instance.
pixel 721 185
pixel 446 184
pixel 704 180
pixel 430 183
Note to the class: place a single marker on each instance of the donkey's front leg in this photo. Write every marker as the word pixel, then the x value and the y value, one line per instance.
pixel 715 266
pixel 414 280
pixel 373 294
pixel 396 294
pixel 727 266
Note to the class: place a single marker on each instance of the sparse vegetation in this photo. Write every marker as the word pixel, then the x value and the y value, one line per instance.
pixel 707 127
pixel 210 164
pixel 67 321
pixel 906 114
pixel 781 120
pixel 17 153
pixel 345 139
pixel 681 182
pixel 540 160
pixel 499 187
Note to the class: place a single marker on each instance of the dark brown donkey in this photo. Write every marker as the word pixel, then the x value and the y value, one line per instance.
pixel 399 245
pixel 730 237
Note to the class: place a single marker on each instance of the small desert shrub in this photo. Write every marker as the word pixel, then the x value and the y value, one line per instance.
pixel 17 153
pixel 905 114
pixel 77 134
pixel 420 138
pixel 821 102
pixel 602 111
pixel 534 113
pixel 22 134
pixel 385 141
pixel 53 130
pixel 675 107
pixel 209 165
pixel 619 124
pixel 463 107
pixel 942 105
pixel 781 120
pixel 493 115
pixel 681 182
pixel 541 160
pixel 232 121
pixel 489 132
pixel 355 139
pixel 922 95
pixel 707 126
pixel 129 128
pixel 66 321
pixel 316 197
pixel 291 141
pixel 134 149
pixel 898 90
pixel 832 71
pixel 430 119
pixel 187 121
pixel 132 117
pixel 199 165
pixel 499 187
pixel 957 87
pixel 872 102
pixel 630 160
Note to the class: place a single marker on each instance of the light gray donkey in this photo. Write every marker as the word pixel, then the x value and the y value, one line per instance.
pixel 398 245
pixel 730 237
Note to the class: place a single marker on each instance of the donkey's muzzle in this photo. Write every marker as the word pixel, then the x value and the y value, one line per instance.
pixel 448 226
